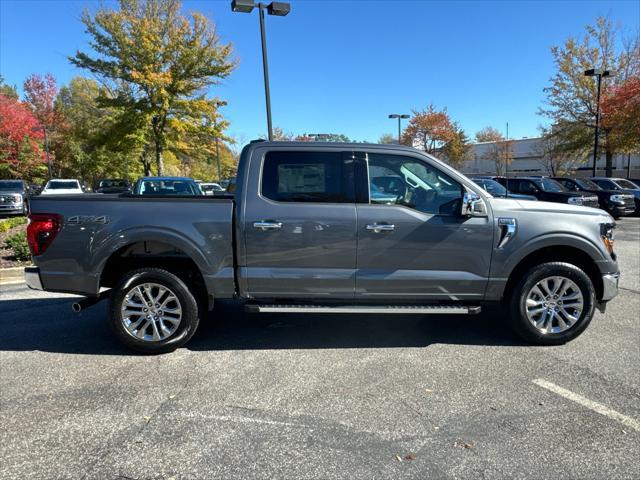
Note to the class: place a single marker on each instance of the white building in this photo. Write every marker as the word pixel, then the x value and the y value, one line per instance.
pixel 528 160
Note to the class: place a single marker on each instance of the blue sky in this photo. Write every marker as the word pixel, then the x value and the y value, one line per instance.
pixel 342 66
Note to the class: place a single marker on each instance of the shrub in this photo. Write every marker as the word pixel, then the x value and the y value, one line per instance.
pixel 12 222
pixel 18 244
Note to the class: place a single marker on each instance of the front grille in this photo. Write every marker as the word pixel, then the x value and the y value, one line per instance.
pixel 6 199
pixel 629 202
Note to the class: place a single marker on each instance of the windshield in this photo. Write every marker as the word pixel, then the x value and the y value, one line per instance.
pixel 10 185
pixel 493 187
pixel 587 184
pixel 63 185
pixel 622 183
pixel 549 185
pixel 169 187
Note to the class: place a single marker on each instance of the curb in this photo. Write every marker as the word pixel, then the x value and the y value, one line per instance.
pixel 11 276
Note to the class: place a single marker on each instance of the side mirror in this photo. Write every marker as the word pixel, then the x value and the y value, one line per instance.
pixel 473 205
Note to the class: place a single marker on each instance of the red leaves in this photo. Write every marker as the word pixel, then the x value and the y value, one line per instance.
pixel 621 114
pixel 20 133
pixel 41 93
pixel 430 129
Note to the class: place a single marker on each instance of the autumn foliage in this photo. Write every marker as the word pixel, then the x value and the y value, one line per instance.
pixel 20 139
pixel 621 114
pixel 434 132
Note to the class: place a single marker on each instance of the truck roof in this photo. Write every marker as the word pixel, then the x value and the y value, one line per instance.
pixel 277 143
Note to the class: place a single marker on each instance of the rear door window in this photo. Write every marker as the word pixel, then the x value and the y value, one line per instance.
pixel 290 176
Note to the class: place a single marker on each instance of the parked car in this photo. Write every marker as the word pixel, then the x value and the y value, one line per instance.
pixel 112 185
pixel 303 234
pixel 498 190
pixel 616 203
pixel 621 185
pixel 548 190
pixel 211 188
pixel 163 186
pixel 14 197
pixel 62 186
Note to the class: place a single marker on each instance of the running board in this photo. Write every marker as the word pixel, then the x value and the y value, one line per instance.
pixel 415 309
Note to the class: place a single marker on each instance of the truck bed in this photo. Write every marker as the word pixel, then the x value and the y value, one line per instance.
pixel 94 227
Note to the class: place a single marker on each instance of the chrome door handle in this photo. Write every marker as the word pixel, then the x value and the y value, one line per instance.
pixel 383 227
pixel 267 225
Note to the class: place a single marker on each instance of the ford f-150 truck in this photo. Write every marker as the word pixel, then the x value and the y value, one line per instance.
pixel 303 232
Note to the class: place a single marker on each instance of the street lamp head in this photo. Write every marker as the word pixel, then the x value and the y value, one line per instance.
pixel 404 115
pixel 280 9
pixel 394 115
pixel 243 6
pixel 608 73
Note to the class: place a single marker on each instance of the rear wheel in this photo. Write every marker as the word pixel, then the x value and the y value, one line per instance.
pixel 552 304
pixel 153 311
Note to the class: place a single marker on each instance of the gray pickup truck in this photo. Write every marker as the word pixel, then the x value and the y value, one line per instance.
pixel 306 231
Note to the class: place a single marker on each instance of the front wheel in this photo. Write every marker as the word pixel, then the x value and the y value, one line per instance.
pixel 153 311
pixel 552 304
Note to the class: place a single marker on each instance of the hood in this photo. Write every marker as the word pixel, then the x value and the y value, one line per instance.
pixel 10 191
pixel 503 204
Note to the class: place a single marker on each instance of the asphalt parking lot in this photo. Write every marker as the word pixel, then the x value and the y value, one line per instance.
pixel 344 396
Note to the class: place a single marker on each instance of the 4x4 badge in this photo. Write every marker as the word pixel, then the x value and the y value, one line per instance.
pixel 82 219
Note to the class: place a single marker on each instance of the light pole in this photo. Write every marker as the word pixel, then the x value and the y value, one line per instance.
pixel 599 74
pixel 219 104
pixel 399 117
pixel 279 9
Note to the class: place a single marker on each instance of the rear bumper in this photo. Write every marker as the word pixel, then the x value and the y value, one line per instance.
pixel 32 278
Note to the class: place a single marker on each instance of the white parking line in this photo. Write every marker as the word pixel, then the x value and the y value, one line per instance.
pixel 590 404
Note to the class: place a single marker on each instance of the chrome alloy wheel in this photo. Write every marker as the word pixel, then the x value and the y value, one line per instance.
pixel 151 312
pixel 554 304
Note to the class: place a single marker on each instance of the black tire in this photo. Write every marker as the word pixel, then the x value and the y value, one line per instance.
pixel 188 323
pixel 517 303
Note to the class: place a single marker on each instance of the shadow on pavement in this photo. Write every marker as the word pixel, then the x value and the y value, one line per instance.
pixel 49 325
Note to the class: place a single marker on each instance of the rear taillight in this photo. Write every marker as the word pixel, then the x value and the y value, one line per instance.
pixel 42 229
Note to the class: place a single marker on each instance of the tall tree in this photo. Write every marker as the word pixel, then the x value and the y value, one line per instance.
pixel 387 138
pixel 500 151
pixel 558 145
pixel 280 135
pixel 40 94
pixel 429 129
pixel 489 134
pixel 456 151
pixel 165 60
pixel 571 96
pixel 88 146
pixel 21 153
pixel 621 115
pixel 8 90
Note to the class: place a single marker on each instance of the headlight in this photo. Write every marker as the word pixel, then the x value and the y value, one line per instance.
pixel 16 198
pixel 575 200
pixel 607 235
pixel 617 198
